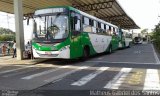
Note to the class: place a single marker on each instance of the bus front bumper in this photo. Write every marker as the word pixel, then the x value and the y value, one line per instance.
pixel 64 54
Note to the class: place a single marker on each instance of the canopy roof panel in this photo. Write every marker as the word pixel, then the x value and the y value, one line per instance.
pixel 108 10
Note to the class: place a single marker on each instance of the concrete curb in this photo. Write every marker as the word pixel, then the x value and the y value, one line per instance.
pixel 8 60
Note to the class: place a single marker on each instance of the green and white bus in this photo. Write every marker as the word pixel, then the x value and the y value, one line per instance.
pixel 68 33
pixel 126 39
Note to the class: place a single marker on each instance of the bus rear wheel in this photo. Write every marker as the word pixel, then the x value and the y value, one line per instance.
pixel 129 46
pixel 124 45
pixel 110 50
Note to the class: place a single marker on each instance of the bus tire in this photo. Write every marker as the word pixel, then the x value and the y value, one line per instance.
pixel 124 45
pixel 129 46
pixel 110 49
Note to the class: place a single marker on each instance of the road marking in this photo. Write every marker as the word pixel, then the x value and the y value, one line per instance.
pixel 155 55
pixel 118 79
pixel 135 78
pixel 137 52
pixel 89 77
pixel 47 65
pixel 7 71
pixel 120 62
pixel 100 58
pixel 23 72
pixel 44 73
pixel 59 77
pixel 152 80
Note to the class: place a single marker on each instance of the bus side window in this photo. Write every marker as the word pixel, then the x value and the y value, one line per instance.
pixel 87 24
pixel 104 31
pixel 114 32
pixel 94 26
pixel 90 22
pixel 78 25
pixel 75 23
pixel 109 30
pixel 99 28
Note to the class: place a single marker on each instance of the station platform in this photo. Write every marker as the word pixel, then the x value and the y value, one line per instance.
pixel 8 60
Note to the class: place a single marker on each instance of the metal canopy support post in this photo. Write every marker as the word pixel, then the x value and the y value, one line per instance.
pixel 19 28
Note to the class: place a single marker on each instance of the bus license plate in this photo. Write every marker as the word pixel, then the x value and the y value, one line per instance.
pixel 48 53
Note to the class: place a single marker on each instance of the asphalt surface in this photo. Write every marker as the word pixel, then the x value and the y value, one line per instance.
pixel 135 68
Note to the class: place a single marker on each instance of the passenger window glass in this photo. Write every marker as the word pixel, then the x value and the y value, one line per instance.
pixel 86 25
pixel 95 24
pixel 94 30
pixel 78 25
pixel 86 20
pixel 102 26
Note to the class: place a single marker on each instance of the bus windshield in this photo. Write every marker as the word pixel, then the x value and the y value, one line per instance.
pixel 51 28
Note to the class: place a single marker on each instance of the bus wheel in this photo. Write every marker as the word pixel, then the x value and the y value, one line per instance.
pixel 129 45
pixel 110 49
pixel 124 45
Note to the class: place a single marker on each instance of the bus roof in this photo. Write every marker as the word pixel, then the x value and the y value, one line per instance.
pixel 83 13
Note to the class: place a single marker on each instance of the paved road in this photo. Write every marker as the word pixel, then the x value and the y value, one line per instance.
pixel 135 68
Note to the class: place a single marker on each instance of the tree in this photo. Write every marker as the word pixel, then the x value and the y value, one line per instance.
pixel 6 34
pixel 144 31
pixel 7 37
pixel 156 36
pixel 6 31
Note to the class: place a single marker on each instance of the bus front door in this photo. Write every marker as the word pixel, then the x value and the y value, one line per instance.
pixel 76 46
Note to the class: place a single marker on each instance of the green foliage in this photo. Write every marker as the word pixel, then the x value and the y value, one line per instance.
pixel 144 31
pixel 156 36
pixel 6 34
pixel 7 37
pixel 6 31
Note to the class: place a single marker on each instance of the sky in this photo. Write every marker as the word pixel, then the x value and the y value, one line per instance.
pixel 8 21
pixel 144 12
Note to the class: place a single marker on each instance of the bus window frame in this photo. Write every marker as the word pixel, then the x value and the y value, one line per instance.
pixel 74 32
pixel 90 24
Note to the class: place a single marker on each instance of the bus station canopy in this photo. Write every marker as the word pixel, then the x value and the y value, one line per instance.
pixel 108 10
